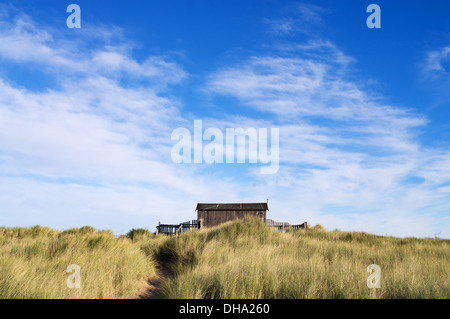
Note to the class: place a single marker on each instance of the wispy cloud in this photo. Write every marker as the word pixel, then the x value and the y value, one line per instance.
pixel 435 75
pixel 22 41
pixel 302 18
pixel 435 59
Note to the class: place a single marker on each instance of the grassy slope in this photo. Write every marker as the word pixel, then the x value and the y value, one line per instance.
pixel 240 259
pixel 244 259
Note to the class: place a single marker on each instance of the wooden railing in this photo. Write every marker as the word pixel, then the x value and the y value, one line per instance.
pixel 176 229
pixel 189 226
pixel 284 226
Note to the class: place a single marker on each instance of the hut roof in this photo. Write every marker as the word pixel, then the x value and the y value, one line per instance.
pixel 231 206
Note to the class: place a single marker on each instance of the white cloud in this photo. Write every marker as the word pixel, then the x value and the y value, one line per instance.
pixel 302 18
pixel 23 42
pixel 435 75
pixel 435 59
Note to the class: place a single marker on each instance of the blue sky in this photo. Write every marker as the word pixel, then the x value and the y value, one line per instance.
pixel 86 115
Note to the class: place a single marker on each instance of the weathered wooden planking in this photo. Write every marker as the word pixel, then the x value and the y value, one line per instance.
pixel 210 218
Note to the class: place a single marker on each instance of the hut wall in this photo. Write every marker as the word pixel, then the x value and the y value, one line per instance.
pixel 212 218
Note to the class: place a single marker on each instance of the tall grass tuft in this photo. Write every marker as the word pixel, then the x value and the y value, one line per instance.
pixel 138 233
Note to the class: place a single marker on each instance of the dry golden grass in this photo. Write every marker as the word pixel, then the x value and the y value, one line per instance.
pixel 240 259
pixel 245 259
pixel 33 263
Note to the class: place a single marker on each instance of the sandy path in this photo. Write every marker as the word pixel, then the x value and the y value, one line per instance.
pixel 154 284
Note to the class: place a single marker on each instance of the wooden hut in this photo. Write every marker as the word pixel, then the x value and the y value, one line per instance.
pixel 209 214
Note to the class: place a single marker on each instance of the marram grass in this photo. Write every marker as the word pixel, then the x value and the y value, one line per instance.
pixel 245 259
pixel 239 259
pixel 33 264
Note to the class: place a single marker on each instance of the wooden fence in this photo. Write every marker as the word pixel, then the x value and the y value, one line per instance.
pixel 285 226
pixel 177 229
